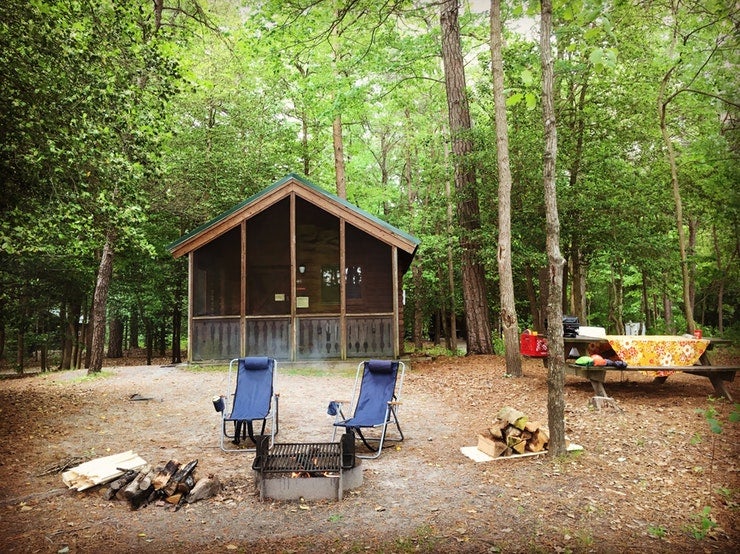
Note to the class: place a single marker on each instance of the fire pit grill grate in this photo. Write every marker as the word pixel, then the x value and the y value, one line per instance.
pixel 312 459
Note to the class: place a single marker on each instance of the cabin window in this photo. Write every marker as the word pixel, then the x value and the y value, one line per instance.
pixel 330 284
pixel 353 276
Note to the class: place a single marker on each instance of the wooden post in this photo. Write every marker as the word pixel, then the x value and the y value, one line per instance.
pixel 243 293
pixel 342 290
pixel 293 286
pixel 396 322
pixel 191 268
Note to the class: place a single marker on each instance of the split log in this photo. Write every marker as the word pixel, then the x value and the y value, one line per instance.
pixel 204 488
pixel 493 448
pixel 180 476
pixel 532 426
pixel 516 444
pixel 514 417
pixel 165 474
pixel 119 483
pixel 138 490
pixel 511 431
pixel 538 441
pixel 496 433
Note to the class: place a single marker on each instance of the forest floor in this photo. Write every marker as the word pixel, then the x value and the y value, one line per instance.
pixel 652 477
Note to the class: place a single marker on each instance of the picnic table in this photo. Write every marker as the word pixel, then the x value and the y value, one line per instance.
pixel 658 355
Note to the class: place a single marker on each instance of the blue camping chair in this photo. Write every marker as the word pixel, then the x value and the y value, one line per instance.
pixel 253 400
pixel 374 405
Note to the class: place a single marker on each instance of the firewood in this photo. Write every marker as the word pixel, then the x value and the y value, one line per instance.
pixel 186 485
pixel 532 426
pixel 164 475
pixel 516 444
pixel 137 492
pixel 513 416
pixel 119 483
pixel 496 433
pixel 204 488
pixel 179 476
pixel 129 490
pixel 538 441
pixel 512 431
pixel 488 445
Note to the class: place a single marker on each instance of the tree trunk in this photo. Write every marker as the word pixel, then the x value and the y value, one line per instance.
pixel 134 327
pixel 416 271
pixel 162 346
pixel 578 287
pixel 339 157
pixel 100 299
pixel 474 287
pixel 532 297
pixel 20 351
pixel 506 277
pixel 176 330
pixel 644 307
pixel 149 340
pixel 668 311
pixel 115 338
pixel 416 275
pixel 451 259
pixel 671 154
pixel 555 360
pixel 721 280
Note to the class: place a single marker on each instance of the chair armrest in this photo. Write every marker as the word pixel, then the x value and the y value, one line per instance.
pixel 394 402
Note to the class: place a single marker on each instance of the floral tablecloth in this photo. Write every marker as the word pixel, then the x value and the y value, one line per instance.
pixel 658 350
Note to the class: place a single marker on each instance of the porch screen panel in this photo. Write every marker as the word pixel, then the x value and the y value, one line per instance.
pixel 317 255
pixel 368 273
pixel 369 337
pixel 215 339
pixel 268 261
pixel 216 276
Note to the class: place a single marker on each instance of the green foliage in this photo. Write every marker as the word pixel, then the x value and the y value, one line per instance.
pixel 110 123
pixel 703 524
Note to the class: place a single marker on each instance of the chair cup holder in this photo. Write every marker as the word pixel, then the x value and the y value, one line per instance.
pixel 218 403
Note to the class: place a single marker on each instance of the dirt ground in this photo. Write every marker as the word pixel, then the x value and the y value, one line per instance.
pixel 648 469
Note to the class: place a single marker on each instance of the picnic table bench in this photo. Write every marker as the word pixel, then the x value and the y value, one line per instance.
pixel 718 375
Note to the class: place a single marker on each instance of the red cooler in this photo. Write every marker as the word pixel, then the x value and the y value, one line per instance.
pixel 532 345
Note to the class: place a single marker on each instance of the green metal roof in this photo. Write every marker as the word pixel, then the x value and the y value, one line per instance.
pixel 276 185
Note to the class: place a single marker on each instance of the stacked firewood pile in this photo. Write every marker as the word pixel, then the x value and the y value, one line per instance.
pixel 511 434
pixel 173 484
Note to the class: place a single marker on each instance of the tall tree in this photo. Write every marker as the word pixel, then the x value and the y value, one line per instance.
pixel 555 359
pixel 509 319
pixel 477 318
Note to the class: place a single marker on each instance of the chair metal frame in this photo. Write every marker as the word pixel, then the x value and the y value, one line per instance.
pixel 391 410
pixel 245 426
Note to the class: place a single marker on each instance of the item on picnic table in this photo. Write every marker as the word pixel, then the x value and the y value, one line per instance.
pixel 596 360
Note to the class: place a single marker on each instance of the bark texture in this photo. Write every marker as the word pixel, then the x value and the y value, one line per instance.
pixel 509 319
pixel 468 214
pixel 555 360
pixel 100 299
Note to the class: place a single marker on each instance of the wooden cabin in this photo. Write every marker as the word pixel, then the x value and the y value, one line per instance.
pixel 295 273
